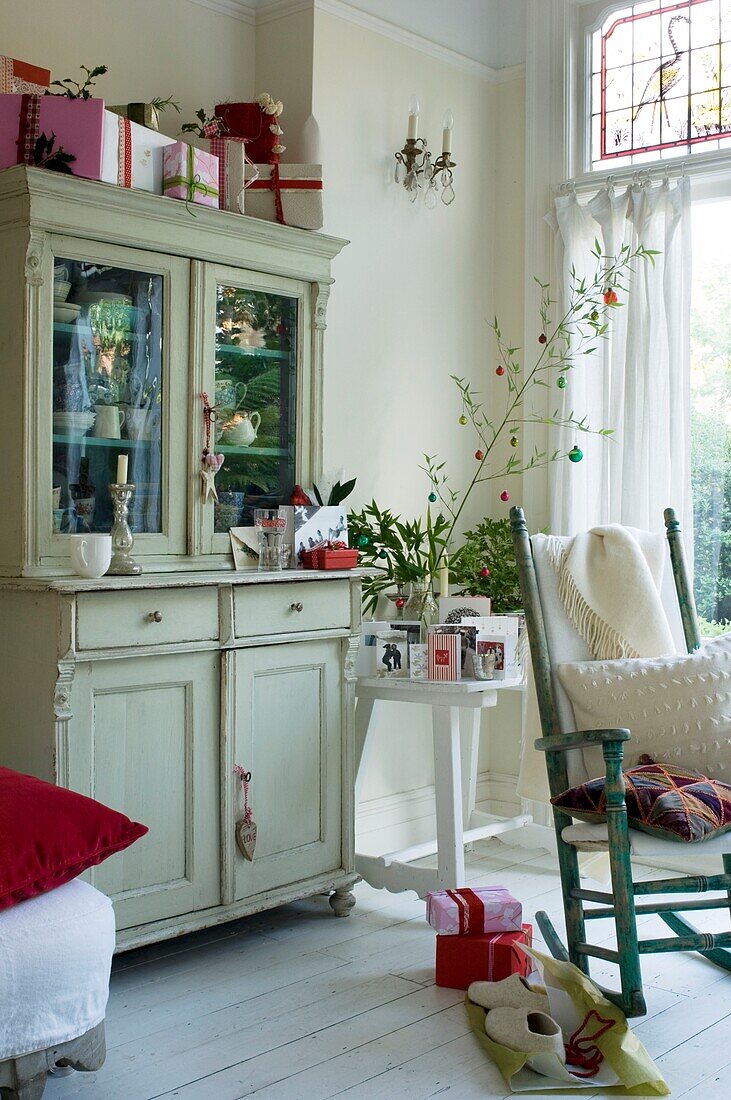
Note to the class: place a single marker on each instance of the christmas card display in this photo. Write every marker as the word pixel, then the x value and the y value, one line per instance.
pixel 244 547
pixel 314 527
pixel 490 956
pixel 453 609
pixel 465 633
pixel 290 194
pixel 65 135
pixel 190 174
pixel 444 655
pixel 498 635
pixel 468 912
pixel 132 155
pixel 22 78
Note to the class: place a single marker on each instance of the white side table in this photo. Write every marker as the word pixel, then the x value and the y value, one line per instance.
pixel 455 777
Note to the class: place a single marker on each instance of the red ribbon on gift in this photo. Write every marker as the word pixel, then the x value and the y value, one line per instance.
pixel 124 148
pixel 274 183
pixel 470 910
pixel 29 128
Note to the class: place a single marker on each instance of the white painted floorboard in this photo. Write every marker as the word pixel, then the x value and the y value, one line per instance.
pixel 297 1005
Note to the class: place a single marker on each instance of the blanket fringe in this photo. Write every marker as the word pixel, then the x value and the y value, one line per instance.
pixel 604 643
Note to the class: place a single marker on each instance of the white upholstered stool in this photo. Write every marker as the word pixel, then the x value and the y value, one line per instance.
pixel 55 957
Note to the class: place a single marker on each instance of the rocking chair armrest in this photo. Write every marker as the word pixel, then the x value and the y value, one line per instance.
pixel 562 742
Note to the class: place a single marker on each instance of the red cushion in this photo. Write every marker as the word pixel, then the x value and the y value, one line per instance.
pixel 49 835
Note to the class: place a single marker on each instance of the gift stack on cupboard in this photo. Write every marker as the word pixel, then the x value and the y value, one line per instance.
pixel 122 306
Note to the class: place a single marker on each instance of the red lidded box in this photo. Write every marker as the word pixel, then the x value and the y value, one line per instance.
pixel 489 957
pixel 329 559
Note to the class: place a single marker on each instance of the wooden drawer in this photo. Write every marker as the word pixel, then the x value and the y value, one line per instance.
pixel 113 620
pixel 273 608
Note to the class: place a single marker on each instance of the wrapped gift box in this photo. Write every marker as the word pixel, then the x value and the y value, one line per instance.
pixel 132 155
pixel 190 174
pixel 288 193
pixel 20 77
pixel 232 158
pixel 445 656
pixel 469 912
pixel 250 123
pixel 325 558
pixel 490 957
pixel 77 123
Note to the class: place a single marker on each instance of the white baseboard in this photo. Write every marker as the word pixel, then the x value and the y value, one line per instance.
pixel 399 820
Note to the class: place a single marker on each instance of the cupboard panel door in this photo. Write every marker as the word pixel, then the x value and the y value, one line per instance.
pixel 150 727
pixel 288 735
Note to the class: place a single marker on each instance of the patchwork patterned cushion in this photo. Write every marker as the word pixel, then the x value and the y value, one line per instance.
pixel 676 803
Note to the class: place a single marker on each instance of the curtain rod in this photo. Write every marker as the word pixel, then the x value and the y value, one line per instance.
pixel 638 177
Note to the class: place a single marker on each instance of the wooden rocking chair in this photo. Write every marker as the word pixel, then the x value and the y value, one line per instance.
pixel 548 633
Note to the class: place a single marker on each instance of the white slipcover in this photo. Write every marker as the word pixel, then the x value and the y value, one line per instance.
pixel 55 958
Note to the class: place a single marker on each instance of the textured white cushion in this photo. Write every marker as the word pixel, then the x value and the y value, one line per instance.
pixel 55 957
pixel 677 709
pixel 690 859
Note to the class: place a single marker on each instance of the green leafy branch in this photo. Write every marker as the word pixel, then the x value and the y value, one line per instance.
pixel 72 89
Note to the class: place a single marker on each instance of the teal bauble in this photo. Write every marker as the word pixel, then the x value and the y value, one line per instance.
pixel 363 540
pixel 561 382
pixel 575 454
pixel 433 498
pixel 382 554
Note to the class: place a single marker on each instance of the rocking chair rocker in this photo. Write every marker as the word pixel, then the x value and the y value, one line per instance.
pixel 559 742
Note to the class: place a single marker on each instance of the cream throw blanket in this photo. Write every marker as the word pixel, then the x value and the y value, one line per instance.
pixel 609 582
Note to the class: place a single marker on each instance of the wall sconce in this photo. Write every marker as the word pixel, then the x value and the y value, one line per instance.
pixel 414 167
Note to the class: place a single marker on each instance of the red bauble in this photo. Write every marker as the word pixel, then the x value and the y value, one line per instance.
pixel 542 338
pixel 500 371
pixel 400 602
pixel 479 455
pixel 485 572
pixel 299 496
pixel 505 495
pixel 610 298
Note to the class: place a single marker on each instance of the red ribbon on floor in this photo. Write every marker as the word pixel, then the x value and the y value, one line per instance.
pixel 581 1049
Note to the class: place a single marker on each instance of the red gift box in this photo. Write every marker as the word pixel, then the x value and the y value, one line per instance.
pixel 488 957
pixel 250 122
pixel 323 558
pixel 21 78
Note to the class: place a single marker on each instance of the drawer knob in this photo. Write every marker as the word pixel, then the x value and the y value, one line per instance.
pixel 155 616
pixel 296 607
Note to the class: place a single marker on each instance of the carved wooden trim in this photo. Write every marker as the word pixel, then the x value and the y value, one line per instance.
pixel 34 255
pixel 63 714
pixel 320 297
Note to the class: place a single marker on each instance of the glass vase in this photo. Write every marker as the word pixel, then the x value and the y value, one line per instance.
pixel 422 607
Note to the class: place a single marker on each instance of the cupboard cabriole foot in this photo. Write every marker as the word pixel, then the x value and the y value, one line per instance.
pixel 342 901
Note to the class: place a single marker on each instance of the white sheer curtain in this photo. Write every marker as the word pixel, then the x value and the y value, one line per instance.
pixel 638 381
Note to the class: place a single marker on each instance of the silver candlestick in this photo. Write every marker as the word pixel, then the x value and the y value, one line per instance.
pixel 122 538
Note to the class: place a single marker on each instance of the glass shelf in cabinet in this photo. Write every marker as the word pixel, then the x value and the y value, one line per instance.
pixel 261 353
pixel 272 452
pixel 101 441
pixel 63 326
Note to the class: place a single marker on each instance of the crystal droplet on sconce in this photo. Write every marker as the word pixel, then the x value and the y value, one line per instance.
pixel 431 197
pixel 448 195
pixel 399 172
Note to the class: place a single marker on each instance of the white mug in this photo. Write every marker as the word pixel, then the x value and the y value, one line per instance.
pixel 91 555
pixel 109 421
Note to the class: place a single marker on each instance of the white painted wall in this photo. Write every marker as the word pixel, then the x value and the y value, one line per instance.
pixel 152 48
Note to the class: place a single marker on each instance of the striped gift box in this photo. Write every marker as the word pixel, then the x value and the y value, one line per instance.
pixel 467 912
pixel 445 656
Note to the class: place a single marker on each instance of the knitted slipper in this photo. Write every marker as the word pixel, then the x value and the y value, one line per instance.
pixel 512 992
pixel 526 1031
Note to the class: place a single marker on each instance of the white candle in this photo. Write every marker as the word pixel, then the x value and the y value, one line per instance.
pixel 444 577
pixel 413 130
pixel 122 461
pixel 448 126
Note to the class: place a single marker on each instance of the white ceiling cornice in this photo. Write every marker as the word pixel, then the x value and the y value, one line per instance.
pixel 269 11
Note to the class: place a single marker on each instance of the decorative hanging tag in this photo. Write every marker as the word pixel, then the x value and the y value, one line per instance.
pixel 245 826
pixel 210 463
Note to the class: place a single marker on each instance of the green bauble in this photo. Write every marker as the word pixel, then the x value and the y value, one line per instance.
pixel 363 540
pixel 433 497
pixel 382 554
pixel 561 382
pixel 463 420
pixel 576 454
pixel 513 441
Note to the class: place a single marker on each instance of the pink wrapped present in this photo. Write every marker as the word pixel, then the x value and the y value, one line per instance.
pixel 19 76
pixel 474 912
pixel 232 160
pixel 78 126
pixel 132 154
pixel 290 194
pixel 190 174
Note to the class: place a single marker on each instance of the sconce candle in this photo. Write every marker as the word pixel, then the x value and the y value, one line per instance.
pixel 413 130
pixel 122 461
pixel 447 127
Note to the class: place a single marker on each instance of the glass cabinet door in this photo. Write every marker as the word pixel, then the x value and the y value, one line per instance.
pixel 255 392
pixel 108 384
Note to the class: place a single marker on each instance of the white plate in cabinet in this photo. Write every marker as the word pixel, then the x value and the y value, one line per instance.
pixel 288 734
pixel 291 608
pixel 154 616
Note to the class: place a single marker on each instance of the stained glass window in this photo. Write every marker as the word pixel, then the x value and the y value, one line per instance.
pixel 661 81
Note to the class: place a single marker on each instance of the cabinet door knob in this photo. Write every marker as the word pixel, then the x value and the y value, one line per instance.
pixel 296 607
pixel 155 616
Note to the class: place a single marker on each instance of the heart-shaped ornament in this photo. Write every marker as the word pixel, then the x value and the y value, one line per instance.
pixel 246 838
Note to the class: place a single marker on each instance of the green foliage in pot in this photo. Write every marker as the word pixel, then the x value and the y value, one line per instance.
pixel 485 566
